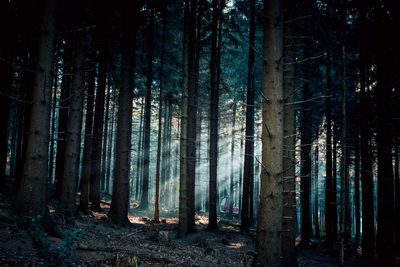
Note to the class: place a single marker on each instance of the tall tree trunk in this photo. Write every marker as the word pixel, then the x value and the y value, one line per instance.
pixel 104 184
pixel 385 237
pixel 231 199
pixel 397 195
pixel 63 115
pixel 240 189
pixel 144 203
pixel 214 100
pixel 357 191
pixel 87 150
pixel 160 113
pixel 316 190
pixel 367 242
pixel 343 167
pixel 187 177
pixel 73 134
pixel 288 164
pixel 139 152
pixel 95 171
pixel 249 139
pixel 269 228
pixel 31 196
pixel 120 195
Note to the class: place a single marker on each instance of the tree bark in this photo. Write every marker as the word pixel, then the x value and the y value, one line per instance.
pixel 269 228
pixel 73 133
pixel 248 171
pixel 357 191
pixel 87 150
pixel 144 202
pixel 160 113
pixel 288 164
pixel 95 171
pixel 231 199
pixel 214 111
pixel 31 196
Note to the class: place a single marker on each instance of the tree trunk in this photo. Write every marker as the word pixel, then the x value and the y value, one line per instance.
pixel 288 185
pixel 343 167
pixel 73 133
pixel 316 191
pixel 357 191
pixel 397 195
pixel 269 228
pixel 63 115
pixel 160 113
pixel 214 100
pixel 31 196
pixel 104 184
pixel 139 150
pixel 367 242
pixel 385 236
pixel 95 171
pixel 231 199
pixel 144 202
pixel 87 150
pixel 249 139
pixel 120 194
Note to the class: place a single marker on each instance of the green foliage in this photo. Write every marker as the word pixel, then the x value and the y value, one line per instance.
pixel 61 254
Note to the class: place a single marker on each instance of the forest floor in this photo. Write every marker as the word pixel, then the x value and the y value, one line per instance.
pixel 93 241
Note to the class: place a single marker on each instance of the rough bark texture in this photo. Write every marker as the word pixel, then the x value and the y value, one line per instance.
pixel 343 167
pixel 357 214
pixel 98 128
pixel 214 99
pixel 385 236
pixel 31 196
pixel 87 150
pixel 120 195
pixel 231 186
pixel 269 228
pixel 289 202
pixel 367 242
pixel 144 202
pixel 73 134
pixel 160 113
pixel 248 172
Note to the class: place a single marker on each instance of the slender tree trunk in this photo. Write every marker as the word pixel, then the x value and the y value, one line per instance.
pixel 160 113
pixel 249 141
pixel 357 191
pixel 95 172
pixel 231 198
pixel 240 189
pixel 343 167
pixel 73 134
pixel 31 196
pixel 120 195
pixel 269 228
pixel 385 236
pixel 288 164
pixel 397 195
pixel 367 242
pixel 144 203
pixel 63 116
pixel 316 190
pixel 214 100
pixel 139 152
pixel 104 185
pixel 87 150
pixel 334 184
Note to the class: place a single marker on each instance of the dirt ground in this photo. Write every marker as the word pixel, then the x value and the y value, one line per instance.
pixel 93 241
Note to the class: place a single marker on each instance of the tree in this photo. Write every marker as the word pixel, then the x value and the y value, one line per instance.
pixel 248 172
pixel 73 134
pixel 31 196
pixel 144 202
pixel 214 101
pixel 160 110
pixel 288 164
pixel 120 195
pixel 268 239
